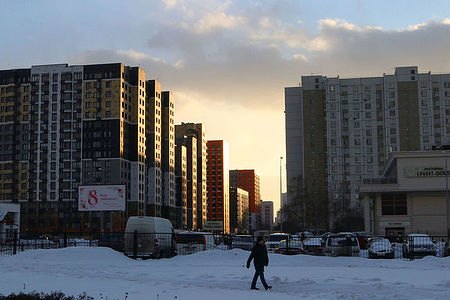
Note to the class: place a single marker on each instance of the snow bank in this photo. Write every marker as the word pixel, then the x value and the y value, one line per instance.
pixel 222 275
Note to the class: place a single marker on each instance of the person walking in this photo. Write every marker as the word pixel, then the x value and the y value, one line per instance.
pixel 260 259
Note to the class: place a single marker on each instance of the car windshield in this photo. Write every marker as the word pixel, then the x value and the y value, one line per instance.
pixel 422 240
pixel 277 237
pixel 187 238
pixel 313 242
pixel 381 243
pixel 292 244
pixel 243 239
pixel 342 241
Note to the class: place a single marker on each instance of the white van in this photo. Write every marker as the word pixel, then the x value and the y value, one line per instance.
pixel 149 237
pixel 189 242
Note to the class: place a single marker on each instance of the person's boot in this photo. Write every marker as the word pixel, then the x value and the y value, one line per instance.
pixel 269 287
pixel 254 288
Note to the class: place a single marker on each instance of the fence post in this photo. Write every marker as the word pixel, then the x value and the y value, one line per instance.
pixel 135 244
pixel 411 246
pixel 15 245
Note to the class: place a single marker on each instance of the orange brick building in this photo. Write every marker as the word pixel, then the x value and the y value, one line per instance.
pixel 249 180
pixel 218 183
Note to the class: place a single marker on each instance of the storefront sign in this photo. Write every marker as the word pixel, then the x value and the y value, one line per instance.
pixel 213 225
pixel 395 224
pixel 425 172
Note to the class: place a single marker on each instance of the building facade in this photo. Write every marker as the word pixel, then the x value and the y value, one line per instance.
pixel 218 183
pixel 63 126
pixel 199 206
pixel 181 167
pixel 238 210
pixel 340 131
pixel 153 123
pixel 190 143
pixel 168 155
pixel 249 181
pixel 267 215
pixel 411 196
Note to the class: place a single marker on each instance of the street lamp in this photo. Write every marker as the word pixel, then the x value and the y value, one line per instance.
pixel 281 195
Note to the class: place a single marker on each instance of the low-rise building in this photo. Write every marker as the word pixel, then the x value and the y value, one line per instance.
pixel 411 197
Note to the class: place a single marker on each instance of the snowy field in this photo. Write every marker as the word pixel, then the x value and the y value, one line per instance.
pixel 105 274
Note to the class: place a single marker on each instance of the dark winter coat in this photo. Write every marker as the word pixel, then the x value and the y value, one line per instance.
pixel 259 256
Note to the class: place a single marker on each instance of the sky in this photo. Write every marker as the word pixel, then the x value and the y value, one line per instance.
pixel 227 62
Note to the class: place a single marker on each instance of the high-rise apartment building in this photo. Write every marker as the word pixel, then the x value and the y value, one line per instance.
pixel 62 126
pixel 340 131
pixel 238 210
pixel 168 155
pixel 218 183
pixel 190 143
pixel 267 215
pixel 181 167
pixel 249 181
pixel 197 130
pixel 153 123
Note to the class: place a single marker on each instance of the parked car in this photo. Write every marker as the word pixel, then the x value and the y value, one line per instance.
pixel 244 242
pixel 190 242
pixel 290 247
pixel 342 244
pixel 149 237
pixel 380 248
pixel 295 237
pixel 418 245
pixel 313 246
pixel 274 239
pixel 114 241
pixel 304 235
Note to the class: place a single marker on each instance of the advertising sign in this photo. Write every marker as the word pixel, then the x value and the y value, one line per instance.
pixel 213 225
pixel 101 197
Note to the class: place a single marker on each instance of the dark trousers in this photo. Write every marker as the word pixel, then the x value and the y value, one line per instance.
pixel 260 273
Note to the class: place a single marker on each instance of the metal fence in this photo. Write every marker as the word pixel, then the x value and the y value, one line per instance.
pixel 164 245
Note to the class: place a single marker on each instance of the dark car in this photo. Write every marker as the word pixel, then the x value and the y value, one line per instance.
pixel 244 242
pixel 313 246
pixel 113 241
pixel 290 247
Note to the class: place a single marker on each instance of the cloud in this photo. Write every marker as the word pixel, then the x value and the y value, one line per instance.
pixel 215 20
pixel 250 67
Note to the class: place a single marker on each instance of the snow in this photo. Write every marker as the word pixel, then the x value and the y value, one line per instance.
pixel 219 275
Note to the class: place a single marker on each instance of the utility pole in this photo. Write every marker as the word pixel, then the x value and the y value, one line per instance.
pixel 281 194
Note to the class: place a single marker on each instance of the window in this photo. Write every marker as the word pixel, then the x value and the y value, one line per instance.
pixel 394 204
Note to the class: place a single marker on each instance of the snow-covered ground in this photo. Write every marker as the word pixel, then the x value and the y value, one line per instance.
pixel 102 272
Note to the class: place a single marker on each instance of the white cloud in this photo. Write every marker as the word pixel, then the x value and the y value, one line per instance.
pixel 171 3
pixel 300 57
pixel 215 20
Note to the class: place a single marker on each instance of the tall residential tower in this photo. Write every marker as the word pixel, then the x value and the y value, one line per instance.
pixel 340 131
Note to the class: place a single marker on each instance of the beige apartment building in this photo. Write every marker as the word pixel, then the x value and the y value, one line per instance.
pixel 340 131
pixel 410 197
